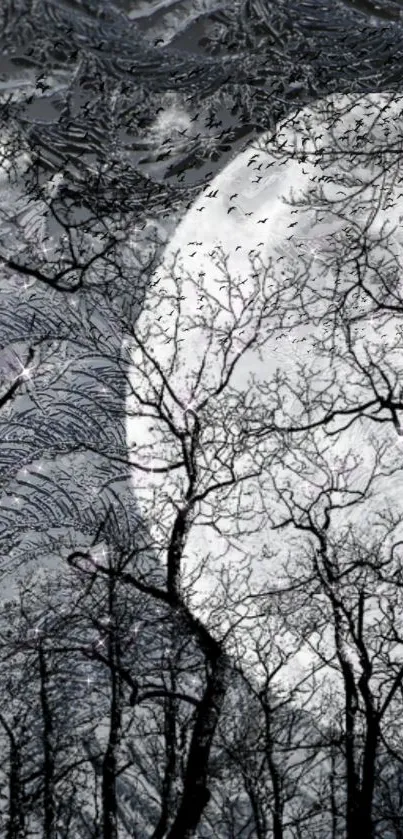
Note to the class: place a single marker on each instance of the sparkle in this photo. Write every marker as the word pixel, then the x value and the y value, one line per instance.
pixel 25 373
pixel 27 285
pixel 100 555
pixel 313 251
pixel 189 407
pixel 372 320
pixel 46 249
pixel 291 337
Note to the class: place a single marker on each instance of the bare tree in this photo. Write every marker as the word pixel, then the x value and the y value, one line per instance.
pixel 230 466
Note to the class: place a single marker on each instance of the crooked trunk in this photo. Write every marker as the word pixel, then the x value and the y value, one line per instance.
pixel 196 794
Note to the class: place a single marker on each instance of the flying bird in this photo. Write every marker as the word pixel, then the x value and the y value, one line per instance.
pixel 229 210
pixel 263 220
pixel 235 195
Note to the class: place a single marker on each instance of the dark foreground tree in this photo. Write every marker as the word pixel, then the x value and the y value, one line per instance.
pixel 229 659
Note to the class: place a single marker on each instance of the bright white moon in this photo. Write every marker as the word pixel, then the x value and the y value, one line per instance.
pixel 264 252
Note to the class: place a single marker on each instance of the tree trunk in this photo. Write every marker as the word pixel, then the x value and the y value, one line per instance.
pixel 109 799
pixel 49 816
pixel 368 776
pixel 196 794
pixel 333 797
pixel 167 804
pixel 277 816
pixel 110 760
pixel 351 708
pixel 15 827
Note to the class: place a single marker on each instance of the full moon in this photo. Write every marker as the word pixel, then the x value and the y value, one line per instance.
pixel 242 333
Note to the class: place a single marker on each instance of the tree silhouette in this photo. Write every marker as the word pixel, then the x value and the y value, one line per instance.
pixel 252 529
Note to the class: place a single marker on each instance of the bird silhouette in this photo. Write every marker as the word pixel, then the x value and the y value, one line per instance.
pixel 235 195
pixel 263 220
pixel 230 209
